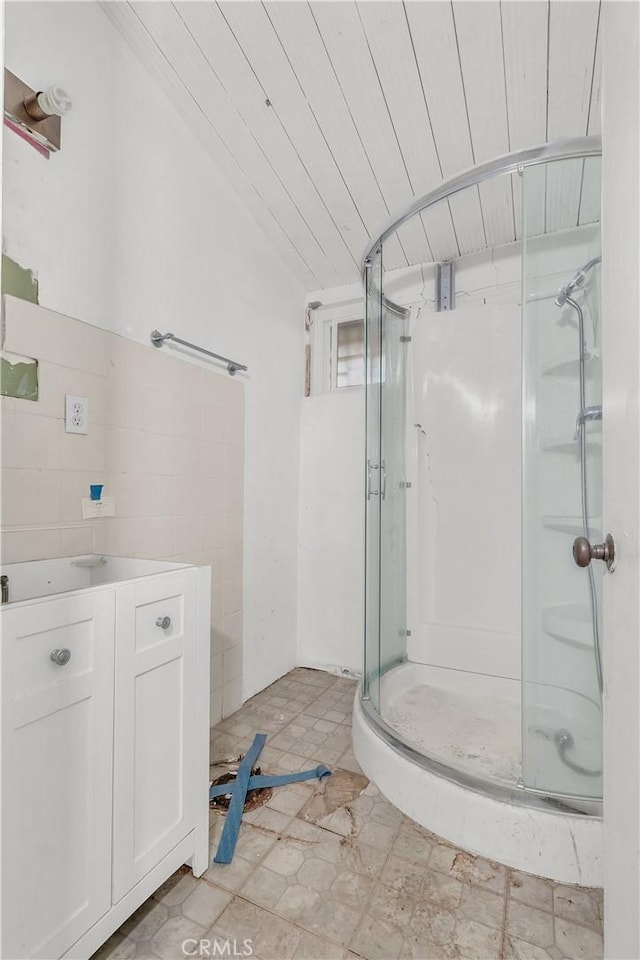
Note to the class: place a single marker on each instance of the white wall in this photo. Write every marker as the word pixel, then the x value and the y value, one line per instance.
pixel 621 451
pixel 131 227
pixel 331 551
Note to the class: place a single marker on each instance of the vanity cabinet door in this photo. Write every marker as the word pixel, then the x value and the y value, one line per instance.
pixel 57 736
pixel 155 723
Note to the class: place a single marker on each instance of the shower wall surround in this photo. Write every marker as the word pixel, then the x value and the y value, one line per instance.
pixel 166 437
pixel 452 421
pixel 463 460
pixel 463 512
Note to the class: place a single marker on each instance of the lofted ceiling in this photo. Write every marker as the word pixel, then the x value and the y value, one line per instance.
pixel 328 117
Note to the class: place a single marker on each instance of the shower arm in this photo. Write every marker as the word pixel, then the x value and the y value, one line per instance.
pixel 576 281
pixel 589 413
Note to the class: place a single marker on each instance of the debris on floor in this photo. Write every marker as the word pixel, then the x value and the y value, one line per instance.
pixel 255 798
pixel 330 804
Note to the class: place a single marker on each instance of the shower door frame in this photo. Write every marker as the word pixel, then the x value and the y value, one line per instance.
pixel 372 480
pixel 385 489
pixel 571 148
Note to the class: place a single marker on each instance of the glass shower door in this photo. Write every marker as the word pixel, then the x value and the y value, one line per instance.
pixel 385 565
pixel 373 379
pixel 562 480
pixel 393 521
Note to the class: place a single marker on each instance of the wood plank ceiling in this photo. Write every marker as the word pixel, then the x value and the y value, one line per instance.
pixel 328 117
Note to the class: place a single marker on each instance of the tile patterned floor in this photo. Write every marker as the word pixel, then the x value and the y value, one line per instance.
pixel 337 872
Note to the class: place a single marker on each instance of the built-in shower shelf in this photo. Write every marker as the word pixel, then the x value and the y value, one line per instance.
pixel 570 622
pixel 562 445
pixel 572 525
pixel 568 368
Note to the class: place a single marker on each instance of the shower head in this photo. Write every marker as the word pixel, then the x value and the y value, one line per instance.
pixel 575 282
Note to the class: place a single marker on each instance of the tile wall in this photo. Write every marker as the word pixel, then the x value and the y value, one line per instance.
pixel 166 437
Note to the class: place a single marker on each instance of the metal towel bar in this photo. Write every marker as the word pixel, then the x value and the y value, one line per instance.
pixel 157 339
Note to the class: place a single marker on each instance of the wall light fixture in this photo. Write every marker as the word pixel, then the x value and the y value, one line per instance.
pixel 35 115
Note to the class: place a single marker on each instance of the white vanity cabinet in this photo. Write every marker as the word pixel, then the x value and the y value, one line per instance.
pixel 105 740
pixel 57 726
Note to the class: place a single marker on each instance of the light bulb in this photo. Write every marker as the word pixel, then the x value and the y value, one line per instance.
pixel 54 101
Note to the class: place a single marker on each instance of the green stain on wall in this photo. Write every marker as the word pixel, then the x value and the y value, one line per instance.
pixel 18 281
pixel 19 378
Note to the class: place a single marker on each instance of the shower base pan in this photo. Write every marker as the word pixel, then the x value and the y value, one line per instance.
pixel 468 720
pixel 447 753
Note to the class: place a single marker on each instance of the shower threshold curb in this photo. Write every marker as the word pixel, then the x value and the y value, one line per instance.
pixel 558 845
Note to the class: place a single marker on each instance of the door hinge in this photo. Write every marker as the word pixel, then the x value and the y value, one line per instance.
pixel 406 339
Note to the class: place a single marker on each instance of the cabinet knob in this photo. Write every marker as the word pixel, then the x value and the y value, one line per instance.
pixel 61 657
pixel 164 622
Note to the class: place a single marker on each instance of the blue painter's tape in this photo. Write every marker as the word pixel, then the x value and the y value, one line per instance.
pixel 239 788
pixel 229 838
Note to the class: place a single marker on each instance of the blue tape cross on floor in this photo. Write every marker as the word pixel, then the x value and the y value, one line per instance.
pixel 239 788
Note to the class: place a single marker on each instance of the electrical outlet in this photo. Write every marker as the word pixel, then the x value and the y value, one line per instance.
pixel 77 414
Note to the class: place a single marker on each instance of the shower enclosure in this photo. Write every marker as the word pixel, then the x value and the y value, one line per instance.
pixel 483 642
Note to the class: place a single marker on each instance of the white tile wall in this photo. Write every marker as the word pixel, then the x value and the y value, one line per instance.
pixel 166 438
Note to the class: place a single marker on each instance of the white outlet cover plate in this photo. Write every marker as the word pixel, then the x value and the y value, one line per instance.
pixel 76 414
pixel 98 508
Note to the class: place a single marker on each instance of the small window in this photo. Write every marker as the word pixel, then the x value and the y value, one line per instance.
pixel 349 353
pixel 335 350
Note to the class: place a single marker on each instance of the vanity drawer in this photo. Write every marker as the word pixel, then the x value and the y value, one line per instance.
pixel 48 643
pixel 159 619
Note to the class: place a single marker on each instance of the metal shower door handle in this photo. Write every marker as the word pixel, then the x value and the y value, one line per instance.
pixel 584 552
pixel 370 468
